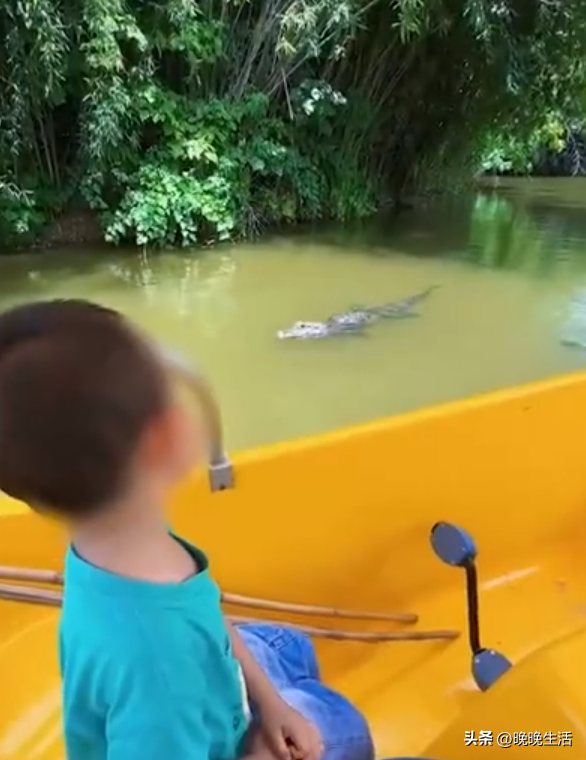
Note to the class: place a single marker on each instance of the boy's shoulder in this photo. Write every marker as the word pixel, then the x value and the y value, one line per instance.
pixel 92 624
pixel 106 652
pixel 128 618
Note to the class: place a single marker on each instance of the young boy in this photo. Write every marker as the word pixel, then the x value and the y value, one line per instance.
pixel 89 431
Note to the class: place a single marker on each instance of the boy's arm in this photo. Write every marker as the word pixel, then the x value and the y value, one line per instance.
pixel 152 713
pixel 147 720
pixel 260 689
pixel 152 722
pixel 284 728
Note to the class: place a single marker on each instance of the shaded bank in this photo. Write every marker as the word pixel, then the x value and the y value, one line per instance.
pixel 569 161
pixel 561 154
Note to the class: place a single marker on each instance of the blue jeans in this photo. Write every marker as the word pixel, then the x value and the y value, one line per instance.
pixel 288 659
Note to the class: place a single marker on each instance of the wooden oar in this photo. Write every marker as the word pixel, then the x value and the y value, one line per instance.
pixel 18 593
pixel 55 578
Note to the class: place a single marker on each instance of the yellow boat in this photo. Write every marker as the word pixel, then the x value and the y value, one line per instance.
pixel 344 520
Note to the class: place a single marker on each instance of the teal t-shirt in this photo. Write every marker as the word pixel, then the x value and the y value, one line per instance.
pixel 148 670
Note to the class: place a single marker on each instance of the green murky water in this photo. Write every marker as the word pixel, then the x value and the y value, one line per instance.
pixel 509 260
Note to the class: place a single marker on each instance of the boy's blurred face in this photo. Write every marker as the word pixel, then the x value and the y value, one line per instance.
pixel 170 448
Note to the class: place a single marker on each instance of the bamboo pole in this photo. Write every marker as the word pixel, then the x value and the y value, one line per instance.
pixel 306 609
pixel 51 598
pixel 55 578
pixel 27 594
pixel 367 637
pixel 30 574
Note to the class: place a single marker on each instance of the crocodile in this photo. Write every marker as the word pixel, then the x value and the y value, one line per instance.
pixel 318 330
pixel 366 315
pixel 355 320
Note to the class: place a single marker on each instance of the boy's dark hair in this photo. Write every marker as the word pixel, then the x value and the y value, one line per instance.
pixel 77 389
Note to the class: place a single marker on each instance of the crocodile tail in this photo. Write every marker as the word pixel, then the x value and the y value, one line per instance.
pixel 425 293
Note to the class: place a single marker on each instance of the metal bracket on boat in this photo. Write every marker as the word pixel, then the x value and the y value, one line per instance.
pixel 456 547
pixel 221 471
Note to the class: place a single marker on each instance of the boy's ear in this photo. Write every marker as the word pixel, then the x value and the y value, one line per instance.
pixel 157 440
pixel 172 442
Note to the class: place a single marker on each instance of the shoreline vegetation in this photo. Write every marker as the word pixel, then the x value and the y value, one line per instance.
pixel 175 123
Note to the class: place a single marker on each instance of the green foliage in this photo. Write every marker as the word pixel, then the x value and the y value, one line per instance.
pixel 20 219
pixel 228 168
pixel 186 122
pixel 516 152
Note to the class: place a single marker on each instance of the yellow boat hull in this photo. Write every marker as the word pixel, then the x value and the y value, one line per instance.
pixel 343 520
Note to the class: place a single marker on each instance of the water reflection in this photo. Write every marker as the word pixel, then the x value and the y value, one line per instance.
pixel 504 237
pixel 573 331
pixel 522 227
pixel 188 286
pixel 197 286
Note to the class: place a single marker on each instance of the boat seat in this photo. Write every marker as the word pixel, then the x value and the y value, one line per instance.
pixel 544 691
pixel 30 724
